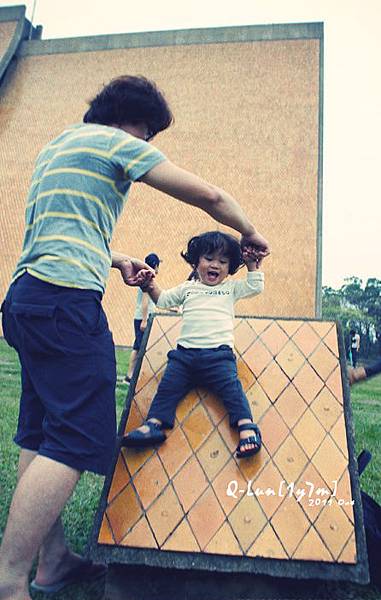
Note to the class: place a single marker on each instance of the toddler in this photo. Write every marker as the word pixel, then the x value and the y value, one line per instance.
pixel 204 355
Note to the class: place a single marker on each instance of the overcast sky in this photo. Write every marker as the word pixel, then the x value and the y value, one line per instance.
pixel 352 97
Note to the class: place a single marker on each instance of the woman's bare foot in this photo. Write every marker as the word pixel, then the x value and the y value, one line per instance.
pixel 50 572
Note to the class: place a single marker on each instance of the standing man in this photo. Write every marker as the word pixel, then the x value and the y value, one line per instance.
pixel 144 308
pixel 53 316
pixel 355 346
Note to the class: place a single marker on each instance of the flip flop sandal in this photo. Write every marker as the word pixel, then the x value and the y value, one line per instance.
pixel 253 439
pixel 138 439
pixel 86 572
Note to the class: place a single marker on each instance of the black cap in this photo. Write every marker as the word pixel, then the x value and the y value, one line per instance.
pixel 152 260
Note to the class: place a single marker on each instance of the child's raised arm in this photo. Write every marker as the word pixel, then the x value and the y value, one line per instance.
pixel 149 285
pixel 254 283
pixel 163 298
pixel 251 259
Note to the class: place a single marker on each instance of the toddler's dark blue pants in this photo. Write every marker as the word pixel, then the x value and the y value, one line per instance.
pixel 212 368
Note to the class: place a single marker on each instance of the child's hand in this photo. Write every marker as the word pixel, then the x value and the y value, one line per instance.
pixel 144 278
pixel 257 242
pixel 251 258
pixel 130 269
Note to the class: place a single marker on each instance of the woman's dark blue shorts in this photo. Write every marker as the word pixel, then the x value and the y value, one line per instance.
pixel 68 372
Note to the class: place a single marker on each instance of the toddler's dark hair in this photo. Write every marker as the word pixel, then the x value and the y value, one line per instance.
pixel 210 242
pixel 193 276
pixel 130 99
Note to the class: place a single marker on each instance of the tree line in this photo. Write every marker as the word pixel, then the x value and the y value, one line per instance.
pixel 358 307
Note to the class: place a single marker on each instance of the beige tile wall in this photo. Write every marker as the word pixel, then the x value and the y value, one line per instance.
pixel 246 119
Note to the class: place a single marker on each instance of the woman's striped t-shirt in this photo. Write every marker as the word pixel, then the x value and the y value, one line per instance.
pixel 78 190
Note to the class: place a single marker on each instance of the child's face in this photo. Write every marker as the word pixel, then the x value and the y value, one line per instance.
pixel 213 268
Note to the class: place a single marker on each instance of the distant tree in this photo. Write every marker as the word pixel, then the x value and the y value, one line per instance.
pixel 359 308
pixel 372 301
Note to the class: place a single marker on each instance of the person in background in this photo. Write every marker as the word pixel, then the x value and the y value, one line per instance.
pixel 355 346
pixel 144 307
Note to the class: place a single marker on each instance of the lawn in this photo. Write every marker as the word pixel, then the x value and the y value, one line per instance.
pixel 79 514
pixel 366 407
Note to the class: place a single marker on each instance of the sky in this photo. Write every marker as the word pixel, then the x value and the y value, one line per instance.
pixel 352 97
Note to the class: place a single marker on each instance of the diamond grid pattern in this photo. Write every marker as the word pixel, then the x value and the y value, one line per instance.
pixel 290 359
pixel 306 339
pixel 192 495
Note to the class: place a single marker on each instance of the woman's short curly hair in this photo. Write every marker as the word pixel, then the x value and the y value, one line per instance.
pixel 210 242
pixel 130 99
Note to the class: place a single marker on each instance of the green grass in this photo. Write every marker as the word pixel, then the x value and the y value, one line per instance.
pixel 366 407
pixel 79 513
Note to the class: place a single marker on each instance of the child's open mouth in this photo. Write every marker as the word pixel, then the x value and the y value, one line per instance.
pixel 212 275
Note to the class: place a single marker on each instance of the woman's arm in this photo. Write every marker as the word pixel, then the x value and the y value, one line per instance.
pixel 191 189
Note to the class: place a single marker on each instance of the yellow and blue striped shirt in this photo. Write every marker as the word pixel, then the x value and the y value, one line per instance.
pixel 78 190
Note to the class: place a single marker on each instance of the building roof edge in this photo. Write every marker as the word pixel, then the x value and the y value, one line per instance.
pixel 244 33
